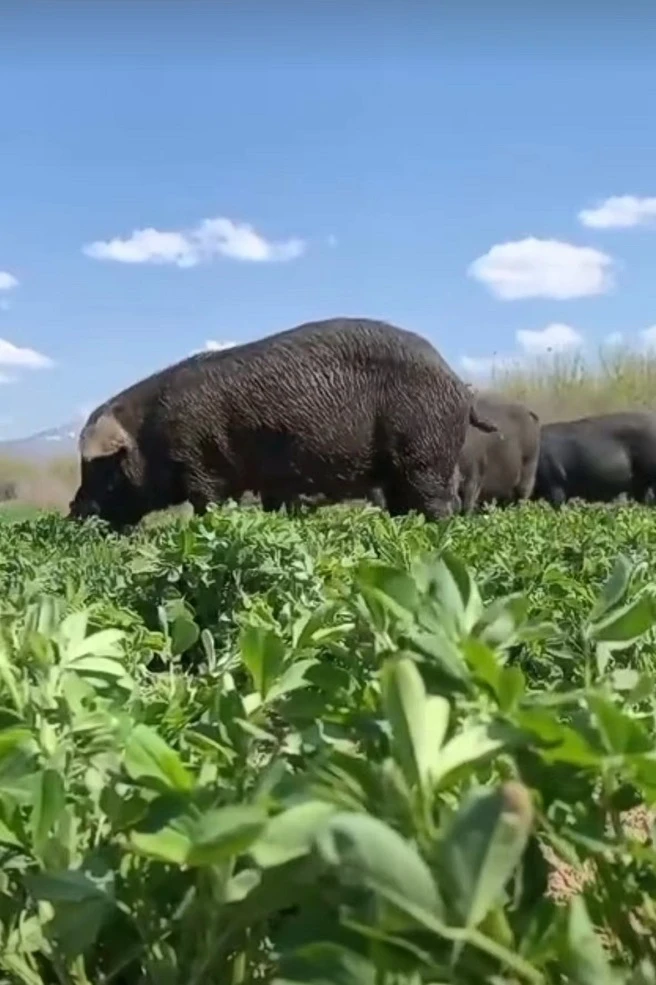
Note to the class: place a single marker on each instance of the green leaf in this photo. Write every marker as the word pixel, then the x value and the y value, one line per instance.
pixel 148 757
pixel 622 627
pixel 621 734
pixel 325 963
pixel 14 739
pixel 105 643
pixel 470 747
pixel 453 587
pixel 81 905
pixel 482 848
pixel 614 589
pixel 184 634
pixel 172 832
pixel 510 689
pixel 391 588
pixel 364 851
pixel 291 833
pixel 70 886
pixel 225 832
pixel 172 843
pixel 586 960
pixel 418 723
pixel 293 679
pixel 49 802
pixel 263 652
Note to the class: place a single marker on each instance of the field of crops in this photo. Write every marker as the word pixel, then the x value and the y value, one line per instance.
pixel 338 749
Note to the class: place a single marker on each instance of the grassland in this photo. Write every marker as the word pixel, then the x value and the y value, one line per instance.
pixel 337 748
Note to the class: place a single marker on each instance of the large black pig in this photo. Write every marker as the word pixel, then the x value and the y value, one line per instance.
pixel 332 407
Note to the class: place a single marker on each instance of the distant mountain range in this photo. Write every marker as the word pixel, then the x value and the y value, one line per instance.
pixel 52 443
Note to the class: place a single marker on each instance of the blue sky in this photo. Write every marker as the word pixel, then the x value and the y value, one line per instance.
pixel 430 164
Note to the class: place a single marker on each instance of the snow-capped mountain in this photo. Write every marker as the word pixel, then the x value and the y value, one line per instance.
pixel 52 443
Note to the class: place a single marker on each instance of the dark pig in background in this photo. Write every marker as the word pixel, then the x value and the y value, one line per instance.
pixel 598 458
pixel 334 407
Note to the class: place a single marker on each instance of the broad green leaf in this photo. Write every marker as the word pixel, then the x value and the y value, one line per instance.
pixel 364 851
pixel 172 843
pixel 291 833
pixel 263 652
pixel 71 886
pixel 292 679
pixel 81 905
pixel 586 961
pixel 242 884
pixel 441 651
pixel 105 643
pixel 615 588
pixel 224 832
pixel 418 723
pixel 44 616
pixel 184 634
pixel 325 963
pixel 148 757
pixel 7 837
pixel 92 666
pixel 482 848
pixel 13 739
pixel 452 586
pixel 392 588
pixel 511 688
pixel 50 798
pixel 621 734
pixel 620 628
pixel 468 748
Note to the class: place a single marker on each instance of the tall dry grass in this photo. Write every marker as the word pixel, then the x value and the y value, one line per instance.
pixel 45 485
pixel 562 387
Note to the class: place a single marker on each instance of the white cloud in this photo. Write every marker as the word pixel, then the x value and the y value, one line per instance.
pixel 187 248
pixel 213 346
pixel 542 268
pixel 554 338
pixel 648 335
pixel 14 355
pixel 620 212
pixel 7 281
pixel 614 339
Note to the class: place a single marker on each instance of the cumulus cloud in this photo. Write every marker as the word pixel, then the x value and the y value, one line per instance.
pixel 554 338
pixel 648 336
pixel 7 281
pixel 542 268
pixel 620 212
pixel 22 358
pixel 209 239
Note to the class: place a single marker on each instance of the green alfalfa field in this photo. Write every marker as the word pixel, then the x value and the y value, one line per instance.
pixel 335 748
